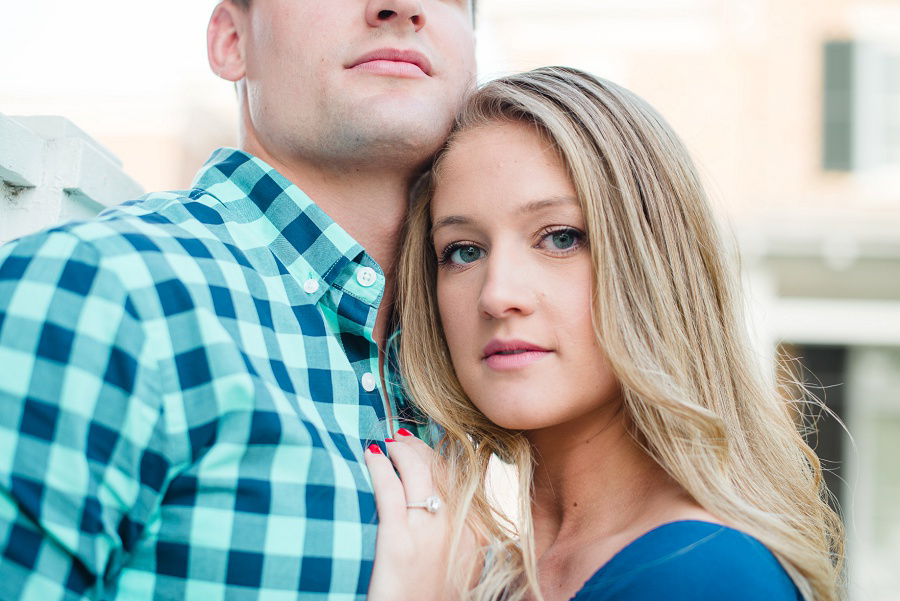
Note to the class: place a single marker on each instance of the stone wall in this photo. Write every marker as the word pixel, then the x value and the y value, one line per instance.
pixel 52 171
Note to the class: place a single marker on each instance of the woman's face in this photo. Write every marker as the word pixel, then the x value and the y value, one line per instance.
pixel 515 281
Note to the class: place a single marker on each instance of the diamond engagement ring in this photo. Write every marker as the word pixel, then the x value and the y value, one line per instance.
pixel 432 504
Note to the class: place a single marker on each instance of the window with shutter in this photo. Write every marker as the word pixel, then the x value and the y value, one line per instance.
pixel 838 134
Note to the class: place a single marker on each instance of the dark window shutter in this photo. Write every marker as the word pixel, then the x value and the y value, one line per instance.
pixel 837 151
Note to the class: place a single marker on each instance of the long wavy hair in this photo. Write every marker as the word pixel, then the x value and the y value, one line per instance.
pixel 668 314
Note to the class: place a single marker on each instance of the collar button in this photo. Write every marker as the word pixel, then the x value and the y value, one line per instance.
pixel 366 276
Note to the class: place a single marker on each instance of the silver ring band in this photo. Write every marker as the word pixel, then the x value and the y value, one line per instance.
pixel 431 504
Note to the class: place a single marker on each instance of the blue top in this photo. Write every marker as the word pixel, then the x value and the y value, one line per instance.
pixel 691 560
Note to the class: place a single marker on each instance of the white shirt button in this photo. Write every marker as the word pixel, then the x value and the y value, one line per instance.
pixel 368 382
pixel 366 276
pixel 310 286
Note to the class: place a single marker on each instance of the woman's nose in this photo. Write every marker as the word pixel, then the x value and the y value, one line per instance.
pixel 507 288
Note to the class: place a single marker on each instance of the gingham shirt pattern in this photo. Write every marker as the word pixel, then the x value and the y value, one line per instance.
pixel 182 408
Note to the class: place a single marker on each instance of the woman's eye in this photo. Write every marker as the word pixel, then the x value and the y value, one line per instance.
pixel 463 255
pixel 562 239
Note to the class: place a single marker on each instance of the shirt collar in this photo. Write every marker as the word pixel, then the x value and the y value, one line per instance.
pixel 300 234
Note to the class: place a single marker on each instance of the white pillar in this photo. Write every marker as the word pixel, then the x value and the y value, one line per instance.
pixel 52 171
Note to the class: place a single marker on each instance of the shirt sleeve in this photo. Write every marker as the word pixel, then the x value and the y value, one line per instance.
pixel 82 430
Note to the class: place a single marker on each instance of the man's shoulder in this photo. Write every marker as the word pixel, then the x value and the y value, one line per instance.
pixel 158 216
pixel 156 222
pixel 155 238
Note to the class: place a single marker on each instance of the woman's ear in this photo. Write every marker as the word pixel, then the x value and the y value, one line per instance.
pixel 224 40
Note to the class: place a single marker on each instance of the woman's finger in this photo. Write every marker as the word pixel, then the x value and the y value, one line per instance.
pixel 390 497
pixel 415 473
pixel 425 452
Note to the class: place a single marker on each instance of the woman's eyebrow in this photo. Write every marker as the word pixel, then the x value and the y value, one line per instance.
pixel 544 203
pixel 449 220
pixel 530 207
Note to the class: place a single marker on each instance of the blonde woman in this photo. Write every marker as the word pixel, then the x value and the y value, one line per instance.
pixel 566 305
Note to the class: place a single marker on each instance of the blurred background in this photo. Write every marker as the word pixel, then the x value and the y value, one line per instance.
pixel 790 107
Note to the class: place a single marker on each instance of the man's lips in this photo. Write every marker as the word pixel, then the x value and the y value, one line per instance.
pixel 392 61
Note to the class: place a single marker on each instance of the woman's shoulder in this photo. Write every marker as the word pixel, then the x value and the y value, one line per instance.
pixel 692 560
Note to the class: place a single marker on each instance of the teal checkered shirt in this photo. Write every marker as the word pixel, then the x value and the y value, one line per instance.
pixel 187 385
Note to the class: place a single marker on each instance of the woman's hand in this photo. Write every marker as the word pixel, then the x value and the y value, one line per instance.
pixel 412 543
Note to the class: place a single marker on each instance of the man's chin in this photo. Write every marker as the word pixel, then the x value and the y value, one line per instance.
pixel 406 133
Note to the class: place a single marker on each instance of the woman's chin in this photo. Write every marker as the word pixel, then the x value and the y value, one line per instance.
pixel 512 421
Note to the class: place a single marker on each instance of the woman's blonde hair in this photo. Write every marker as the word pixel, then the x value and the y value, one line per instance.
pixel 666 311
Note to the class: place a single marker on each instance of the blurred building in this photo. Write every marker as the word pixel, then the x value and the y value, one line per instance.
pixel 792 110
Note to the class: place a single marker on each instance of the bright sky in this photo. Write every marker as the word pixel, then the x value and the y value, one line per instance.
pixel 106 63
pixel 134 75
pixel 101 47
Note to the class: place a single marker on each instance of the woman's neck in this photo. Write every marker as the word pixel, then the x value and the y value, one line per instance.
pixel 591 479
pixel 595 490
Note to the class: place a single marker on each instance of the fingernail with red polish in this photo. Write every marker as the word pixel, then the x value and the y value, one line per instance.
pixel 404 432
pixel 389 440
pixel 374 448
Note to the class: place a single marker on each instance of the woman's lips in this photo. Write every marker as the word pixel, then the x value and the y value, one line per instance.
pixel 503 355
pixel 516 360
